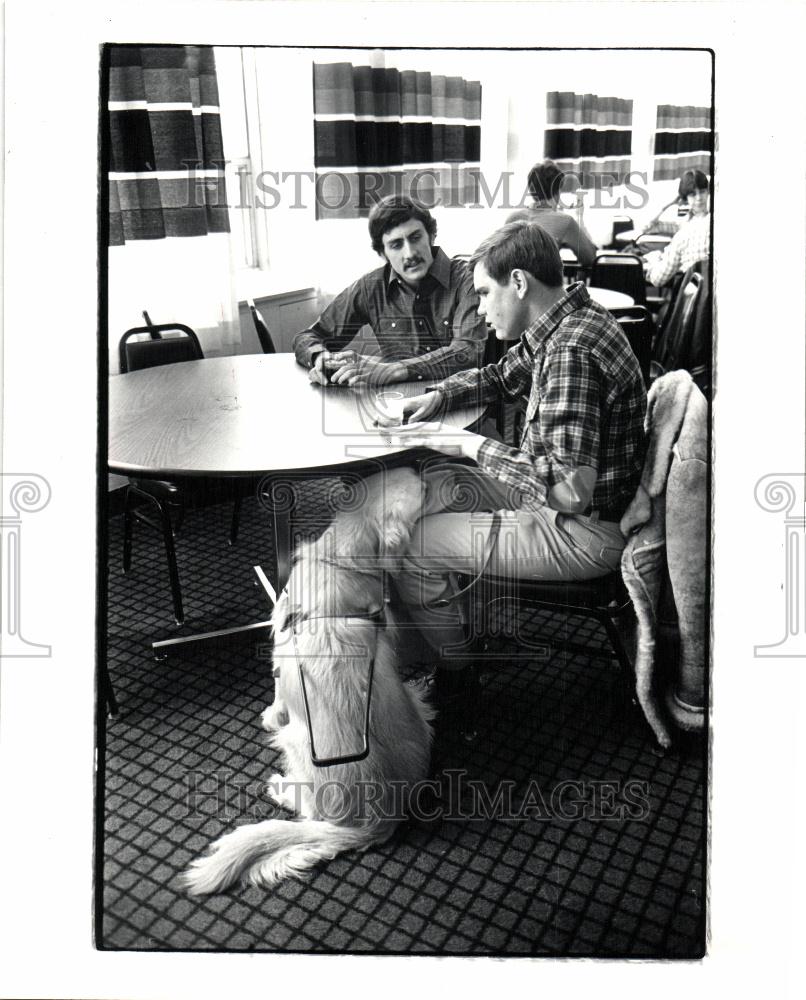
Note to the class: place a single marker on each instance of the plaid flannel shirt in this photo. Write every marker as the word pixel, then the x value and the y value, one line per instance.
pixel 586 404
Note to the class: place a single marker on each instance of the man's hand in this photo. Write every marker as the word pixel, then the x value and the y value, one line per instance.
pixel 327 364
pixel 449 440
pixel 416 410
pixel 363 370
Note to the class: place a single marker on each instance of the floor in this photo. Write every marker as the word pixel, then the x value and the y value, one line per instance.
pixel 559 832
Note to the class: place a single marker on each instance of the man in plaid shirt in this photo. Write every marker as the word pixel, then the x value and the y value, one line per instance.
pixel 560 495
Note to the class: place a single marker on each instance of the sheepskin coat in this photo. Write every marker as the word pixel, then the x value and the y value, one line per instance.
pixel 667 529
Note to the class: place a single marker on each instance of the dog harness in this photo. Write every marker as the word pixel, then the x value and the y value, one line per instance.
pixel 293 621
pixel 297 617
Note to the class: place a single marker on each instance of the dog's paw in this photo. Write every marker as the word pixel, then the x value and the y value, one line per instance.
pixel 282 792
pixel 275 717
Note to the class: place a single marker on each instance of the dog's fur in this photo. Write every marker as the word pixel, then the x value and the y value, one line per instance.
pixel 338 574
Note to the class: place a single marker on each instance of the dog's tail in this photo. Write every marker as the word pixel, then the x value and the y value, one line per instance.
pixel 265 853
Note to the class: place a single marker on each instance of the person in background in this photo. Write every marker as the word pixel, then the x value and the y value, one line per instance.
pixel 545 184
pixel 420 305
pixel 692 242
pixel 560 495
pixel 690 182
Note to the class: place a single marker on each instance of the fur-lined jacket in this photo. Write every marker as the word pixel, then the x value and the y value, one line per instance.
pixel 667 528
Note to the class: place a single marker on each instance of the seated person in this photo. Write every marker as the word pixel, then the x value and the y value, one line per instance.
pixel 545 183
pixel 560 496
pixel 421 307
pixel 692 242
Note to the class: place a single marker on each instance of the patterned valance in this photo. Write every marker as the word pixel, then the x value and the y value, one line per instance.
pixel 387 131
pixel 166 161
pixel 684 140
pixel 589 136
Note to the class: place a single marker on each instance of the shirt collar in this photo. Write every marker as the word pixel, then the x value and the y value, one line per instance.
pixel 440 270
pixel 576 297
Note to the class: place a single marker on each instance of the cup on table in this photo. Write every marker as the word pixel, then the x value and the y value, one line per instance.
pixel 388 404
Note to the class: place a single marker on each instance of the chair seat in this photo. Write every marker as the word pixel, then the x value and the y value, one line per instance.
pixel 160 489
pixel 597 593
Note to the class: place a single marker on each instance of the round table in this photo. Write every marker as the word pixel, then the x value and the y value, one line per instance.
pixel 246 416
pixel 609 299
pixel 240 416
pixel 647 241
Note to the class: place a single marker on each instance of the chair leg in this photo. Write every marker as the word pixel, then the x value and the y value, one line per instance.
pixel 128 519
pixel 173 571
pixel 235 523
pixel 619 649
pixel 628 681
pixel 107 692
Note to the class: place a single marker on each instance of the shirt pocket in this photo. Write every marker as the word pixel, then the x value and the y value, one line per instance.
pixel 395 336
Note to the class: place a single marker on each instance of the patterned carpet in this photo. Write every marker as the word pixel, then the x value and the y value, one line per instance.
pixel 559 831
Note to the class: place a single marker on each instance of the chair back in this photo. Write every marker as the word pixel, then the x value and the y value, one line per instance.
pixel 685 341
pixel 620 272
pixel 639 329
pixel 621 224
pixel 261 328
pixel 136 354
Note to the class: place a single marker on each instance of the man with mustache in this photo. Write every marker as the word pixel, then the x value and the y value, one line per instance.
pixel 421 306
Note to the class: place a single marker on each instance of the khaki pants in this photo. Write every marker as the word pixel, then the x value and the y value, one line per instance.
pixel 452 538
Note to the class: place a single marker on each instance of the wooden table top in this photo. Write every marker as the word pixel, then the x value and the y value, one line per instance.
pixel 244 415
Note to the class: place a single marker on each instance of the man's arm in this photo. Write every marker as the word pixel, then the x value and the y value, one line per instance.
pixel 336 326
pixel 665 268
pixel 579 241
pixel 568 416
pixel 469 332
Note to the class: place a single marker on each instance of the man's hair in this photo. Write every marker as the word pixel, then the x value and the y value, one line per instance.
pixel 394 211
pixel 545 181
pixel 521 245
pixel 691 181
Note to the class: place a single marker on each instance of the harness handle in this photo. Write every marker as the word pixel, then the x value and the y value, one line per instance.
pixel 489 549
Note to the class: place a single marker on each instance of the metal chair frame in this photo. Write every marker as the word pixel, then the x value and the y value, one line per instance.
pixel 620 272
pixel 261 329
pixel 160 494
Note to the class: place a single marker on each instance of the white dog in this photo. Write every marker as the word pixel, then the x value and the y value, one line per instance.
pixel 343 806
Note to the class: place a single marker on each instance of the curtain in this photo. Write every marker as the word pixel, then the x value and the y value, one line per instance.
pixel 381 131
pixel 684 140
pixel 166 161
pixel 589 136
pixel 169 243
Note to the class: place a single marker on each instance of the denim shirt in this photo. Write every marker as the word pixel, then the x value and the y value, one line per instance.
pixel 434 328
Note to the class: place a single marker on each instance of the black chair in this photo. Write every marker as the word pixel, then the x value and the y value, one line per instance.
pixel 685 340
pixel 620 272
pixel 604 600
pixel 135 354
pixel 166 498
pixel 247 487
pixel 261 328
pixel 494 350
pixel 639 328
pixel 621 224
